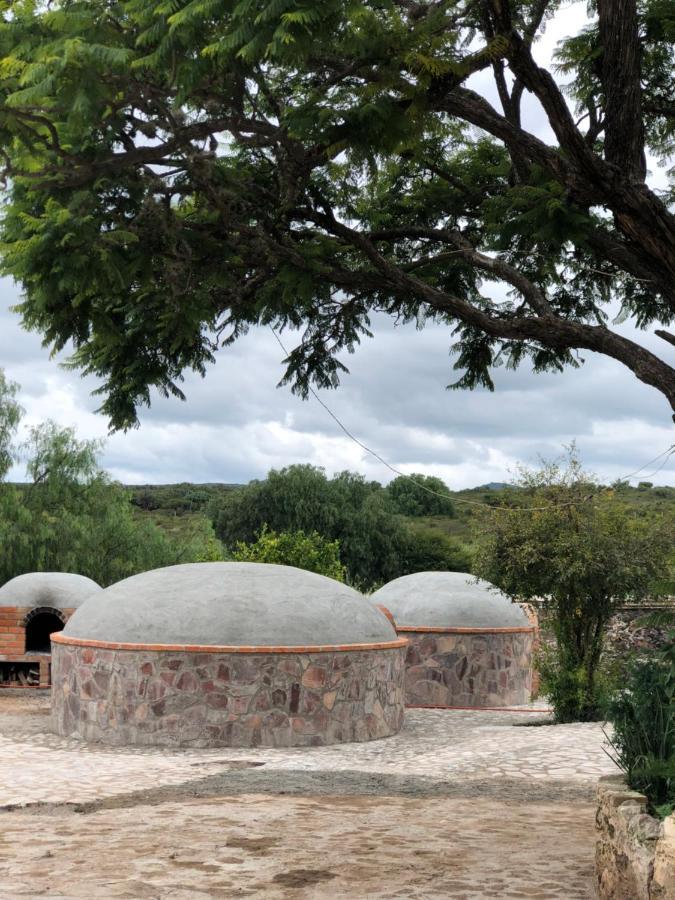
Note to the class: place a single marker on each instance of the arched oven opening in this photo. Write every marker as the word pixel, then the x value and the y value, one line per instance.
pixel 39 624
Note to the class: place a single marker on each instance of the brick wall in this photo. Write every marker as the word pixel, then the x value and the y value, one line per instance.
pixel 13 639
pixel 12 632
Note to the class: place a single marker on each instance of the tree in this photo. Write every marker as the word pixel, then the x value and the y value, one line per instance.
pixel 584 554
pixel 300 498
pixel 431 551
pixel 375 544
pixel 294 548
pixel 71 517
pixel 179 171
pixel 10 416
pixel 420 495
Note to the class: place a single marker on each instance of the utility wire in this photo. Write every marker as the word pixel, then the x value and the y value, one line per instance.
pixel 670 451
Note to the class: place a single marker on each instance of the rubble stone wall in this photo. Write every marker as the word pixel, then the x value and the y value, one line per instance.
pixel 469 668
pixel 192 698
pixel 626 632
pixel 635 852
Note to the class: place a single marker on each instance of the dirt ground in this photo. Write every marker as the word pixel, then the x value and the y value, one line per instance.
pixel 251 831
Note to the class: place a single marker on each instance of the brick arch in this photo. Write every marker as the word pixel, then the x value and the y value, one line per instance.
pixel 40 610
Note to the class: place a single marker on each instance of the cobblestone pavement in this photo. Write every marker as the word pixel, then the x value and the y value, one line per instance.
pixel 465 805
pixel 443 744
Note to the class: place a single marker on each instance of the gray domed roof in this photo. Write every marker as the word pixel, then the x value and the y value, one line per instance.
pixel 448 600
pixel 230 604
pixel 60 590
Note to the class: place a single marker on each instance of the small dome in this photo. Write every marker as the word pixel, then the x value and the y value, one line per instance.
pixel 448 600
pixel 60 590
pixel 228 604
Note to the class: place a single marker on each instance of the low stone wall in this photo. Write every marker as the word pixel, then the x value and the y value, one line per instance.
pixel 626 632
pixel 462 668
pixel 189 698
pixel 635 852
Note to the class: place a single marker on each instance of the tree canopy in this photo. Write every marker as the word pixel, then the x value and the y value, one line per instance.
pixel 420 495
pixel 583 553
pixel 179 170
pixel 375 542
pixel 294 548
pixel 70 516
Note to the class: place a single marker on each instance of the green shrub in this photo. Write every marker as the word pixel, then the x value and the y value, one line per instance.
pixel 573 695
pixel 583 552
pixel 294 548
pixel 643 739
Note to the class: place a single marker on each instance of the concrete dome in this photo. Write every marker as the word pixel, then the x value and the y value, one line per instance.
pixel 59 590
pixel 448 600
pixel 229 604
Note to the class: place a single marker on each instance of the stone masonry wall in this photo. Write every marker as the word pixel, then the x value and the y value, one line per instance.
pixel 468 669
pixel 626 632
pixel 206 699
pixel 635 852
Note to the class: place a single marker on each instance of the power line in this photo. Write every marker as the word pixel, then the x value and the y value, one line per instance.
pixel 669 451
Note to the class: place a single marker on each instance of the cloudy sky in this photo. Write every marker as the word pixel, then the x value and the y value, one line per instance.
pixel 236 424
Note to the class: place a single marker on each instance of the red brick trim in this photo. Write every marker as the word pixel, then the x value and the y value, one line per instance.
pixel 385 612
pixel 59 638
pixel 423 629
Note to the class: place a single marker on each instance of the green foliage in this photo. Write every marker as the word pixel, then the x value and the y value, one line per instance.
pixel 584 553
pixel 294 548
pixel 345 508
pixel 178 171
pixel 643 731
pixel 71 517
pixel 177 499
pixel 432 551
pixel 375 544
pixel 10 416
pixel 420 495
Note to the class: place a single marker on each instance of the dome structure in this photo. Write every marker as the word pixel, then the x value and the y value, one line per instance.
pixel 228 654
pixel 58 590
pixel 231 604
pixel 469 645
pixel 448 600
pixel 32 607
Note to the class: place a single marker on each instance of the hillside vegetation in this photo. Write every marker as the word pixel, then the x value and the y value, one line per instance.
pixel 180 510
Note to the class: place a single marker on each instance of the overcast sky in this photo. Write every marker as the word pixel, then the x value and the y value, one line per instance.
pixel 236 424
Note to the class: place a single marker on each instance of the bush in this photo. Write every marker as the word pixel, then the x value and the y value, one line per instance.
pixel 574 696
pixel 306 551
pixel 643 740
pixel 584 553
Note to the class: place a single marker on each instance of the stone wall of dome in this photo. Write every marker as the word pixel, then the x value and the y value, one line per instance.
pixel 468 644
pixel 228 654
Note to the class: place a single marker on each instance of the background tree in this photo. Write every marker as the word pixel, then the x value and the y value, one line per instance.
pixel 412 496
pixel 10 416
pixel 583 554
pixel 375 545
pixel 179 171
pixel 294 548
pixel 69 516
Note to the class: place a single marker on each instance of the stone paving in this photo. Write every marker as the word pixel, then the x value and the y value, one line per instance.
pixel 36 766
